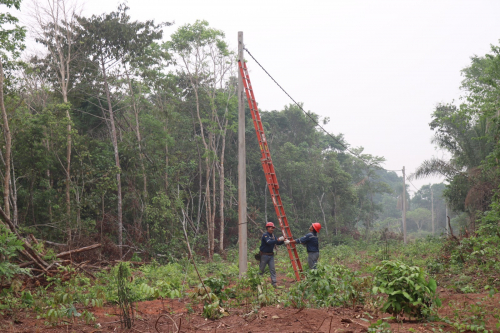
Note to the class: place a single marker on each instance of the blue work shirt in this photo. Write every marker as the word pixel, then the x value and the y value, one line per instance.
pixel 311 241
pixel 268 241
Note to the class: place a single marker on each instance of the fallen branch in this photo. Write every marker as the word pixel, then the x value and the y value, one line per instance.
pixel 82 249
pixel 63 254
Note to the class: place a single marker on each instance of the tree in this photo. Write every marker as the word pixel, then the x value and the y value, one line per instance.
pixel 207 63
pixel 466 138
pixel 11 43
pixel 113 40
pixel 419 216
pixel 56 26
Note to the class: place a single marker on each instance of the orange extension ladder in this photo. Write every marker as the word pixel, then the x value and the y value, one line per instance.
pixel 267 165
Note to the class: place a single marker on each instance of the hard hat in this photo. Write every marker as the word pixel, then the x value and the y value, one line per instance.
pixel 316 226
pixel 270 224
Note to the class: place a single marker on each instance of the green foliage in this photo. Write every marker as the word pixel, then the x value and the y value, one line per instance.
pixel 8 250
pixel 470 317
pixel 380 326
pixel 12 35
pixel 210 301
pixel 329 286
pixel 407 290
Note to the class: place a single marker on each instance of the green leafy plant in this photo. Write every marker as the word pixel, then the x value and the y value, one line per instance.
pixel 407 289
pixel 10 245
pixel 327 285
pixel 380 326
pixel 211 303
pixel 469 317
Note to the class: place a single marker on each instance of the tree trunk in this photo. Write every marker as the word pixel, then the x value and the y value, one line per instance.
pixel 200 185
pixel 221 190
pixel 117 159
pixel 139 146
pixel 14 195
pixel 166 163
pixel 68 172
pixel 322 211
pixel 208 207
pixel 214 202
pixel 64 90
pixel 207 180
pixel 8 145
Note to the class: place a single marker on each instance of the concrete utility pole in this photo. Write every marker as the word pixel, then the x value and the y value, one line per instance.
pixel 432 209
pixel 404 206
pixel 242 172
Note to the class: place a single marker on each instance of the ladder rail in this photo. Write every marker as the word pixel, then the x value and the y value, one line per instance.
pixel 269 171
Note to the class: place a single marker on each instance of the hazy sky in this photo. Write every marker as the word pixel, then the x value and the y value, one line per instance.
pixel 376 68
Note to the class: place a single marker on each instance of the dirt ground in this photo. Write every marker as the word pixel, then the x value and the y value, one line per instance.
pixel 172 316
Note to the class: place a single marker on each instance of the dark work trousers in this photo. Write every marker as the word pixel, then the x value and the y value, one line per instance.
pixel 268 260
pixel 312 259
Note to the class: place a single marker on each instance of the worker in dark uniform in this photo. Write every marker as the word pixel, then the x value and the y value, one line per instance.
pixel 267 244
pixel 310 240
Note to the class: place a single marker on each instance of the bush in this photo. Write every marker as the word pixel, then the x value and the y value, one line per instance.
pixel 407 289
pixel 10 244
pixel 327 286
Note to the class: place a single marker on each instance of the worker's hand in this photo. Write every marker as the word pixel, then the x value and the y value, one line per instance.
pixel 281 239
pixel 287 242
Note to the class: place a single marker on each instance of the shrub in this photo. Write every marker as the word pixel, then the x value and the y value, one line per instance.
pixel 10 244
pixel 407 289
pixel 327 285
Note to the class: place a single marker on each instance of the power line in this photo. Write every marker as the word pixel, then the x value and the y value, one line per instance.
pixel 411 183
pixel 309 116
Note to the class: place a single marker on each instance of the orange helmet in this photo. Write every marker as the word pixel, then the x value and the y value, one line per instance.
pixel 270 224
pixel 316 226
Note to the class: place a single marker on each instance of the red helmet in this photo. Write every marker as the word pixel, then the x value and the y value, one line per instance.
pixel 270 224
pixel 316 226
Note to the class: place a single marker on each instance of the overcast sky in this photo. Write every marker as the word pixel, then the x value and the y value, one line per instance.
pixel 376 68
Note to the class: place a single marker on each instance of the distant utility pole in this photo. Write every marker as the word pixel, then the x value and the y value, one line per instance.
pixel 404 206
pixel 242 172
pixel 432 209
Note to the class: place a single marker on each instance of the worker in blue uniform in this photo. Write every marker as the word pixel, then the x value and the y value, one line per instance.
pixel 310 240
pixel 267 244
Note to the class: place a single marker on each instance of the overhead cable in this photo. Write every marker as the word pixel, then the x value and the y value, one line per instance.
pixel 312 118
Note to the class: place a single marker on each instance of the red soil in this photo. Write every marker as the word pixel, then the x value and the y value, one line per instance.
pixel 163 313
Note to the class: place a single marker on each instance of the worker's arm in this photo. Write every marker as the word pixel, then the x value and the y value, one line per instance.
pixel 305 239
pixel 270 240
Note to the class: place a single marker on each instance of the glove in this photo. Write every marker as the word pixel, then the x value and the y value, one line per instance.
pixel 281 239
pixel 287 242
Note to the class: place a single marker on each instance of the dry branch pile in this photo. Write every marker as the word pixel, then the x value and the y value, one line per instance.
pixel 35 261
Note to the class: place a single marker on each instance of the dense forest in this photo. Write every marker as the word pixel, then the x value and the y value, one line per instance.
pixel 124 132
